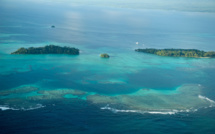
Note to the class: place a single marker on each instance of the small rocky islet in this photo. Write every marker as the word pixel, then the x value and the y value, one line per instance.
pixel 104 55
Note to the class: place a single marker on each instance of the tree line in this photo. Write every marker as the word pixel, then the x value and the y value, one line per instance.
pixel 49 49
pixel 178 52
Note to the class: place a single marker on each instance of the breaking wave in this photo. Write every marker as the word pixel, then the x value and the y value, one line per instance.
pixel 5 107
pixel 212 103
pixel 170 112
pixel 161 111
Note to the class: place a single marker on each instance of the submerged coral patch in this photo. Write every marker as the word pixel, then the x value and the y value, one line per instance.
pixel 27 97
pixel 56 94
pixel 184 99
pixel 18 90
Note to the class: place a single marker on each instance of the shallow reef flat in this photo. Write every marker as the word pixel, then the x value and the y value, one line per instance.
pixel 101 79
pixel 18 90
pixel 56 94
pixel 185 98
pixel 29 97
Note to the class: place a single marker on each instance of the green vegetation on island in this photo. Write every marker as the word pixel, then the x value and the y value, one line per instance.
pixel 49 49
pixel 178 52
pixel 104 55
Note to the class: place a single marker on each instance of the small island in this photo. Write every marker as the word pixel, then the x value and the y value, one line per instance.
pixel 178 52
pixel 49 49
pixel 104 55
pixel 52 26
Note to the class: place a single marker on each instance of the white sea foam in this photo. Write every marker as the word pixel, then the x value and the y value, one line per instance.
pixel 33 108
pixel 5 107
pixel 205 98
pixel 170 112
pixel 212 103
pixel 161 111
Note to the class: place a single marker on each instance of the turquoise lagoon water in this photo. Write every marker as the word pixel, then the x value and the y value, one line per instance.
pixel 130 92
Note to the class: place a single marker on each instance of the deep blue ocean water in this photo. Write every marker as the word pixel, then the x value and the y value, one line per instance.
pixel 128 93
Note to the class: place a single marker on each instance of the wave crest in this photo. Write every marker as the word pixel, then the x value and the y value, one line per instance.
pixel 170 112
pixel 5 107
pixel 161 111
pixel 207 99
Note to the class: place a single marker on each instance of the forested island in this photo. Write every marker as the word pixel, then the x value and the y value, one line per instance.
pixel 178 52
pixel 49 49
